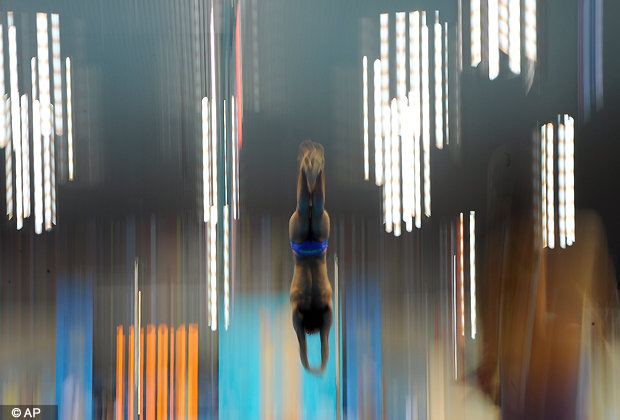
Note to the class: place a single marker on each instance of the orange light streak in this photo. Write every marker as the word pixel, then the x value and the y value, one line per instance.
pixel 120 347
pixel 192 373
pixel 150 371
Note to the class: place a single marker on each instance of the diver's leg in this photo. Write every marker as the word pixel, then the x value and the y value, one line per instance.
pixel 320 218
pixel 299 224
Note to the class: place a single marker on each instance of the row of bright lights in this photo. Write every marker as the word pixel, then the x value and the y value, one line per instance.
pixel 16 125
pixel 504 33
pixel 210 172
pixel 406 119
pixel 566 182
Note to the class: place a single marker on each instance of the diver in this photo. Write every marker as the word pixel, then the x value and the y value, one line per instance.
pixel 311 292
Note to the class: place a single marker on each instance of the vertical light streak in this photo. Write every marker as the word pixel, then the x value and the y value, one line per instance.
pixel 378 124
pixel 151 369
pixel 562 183
pixel 401 58
pixel 225 146
pixel 44 98
pixel 172 361
pixel 213 116
pixel 438 84
pixel 226 267
pixel 192 372
pixel 33 77
pixel 162 372
pixel 57 74
pixel 181 368
pixel 454 311
pixel 136 341
pixel 196 45
pixel 37 157
pixel 16 126
pixel 25 155
pixel 414 103
pixel 476 41
pixel 530 30
pixel 385 90
pixel 120 379
pixel 365 94
pixel 462 274
pixel 543 175
pixel 408 168
pixel 387 186
pixel 570 179
pixel 3 133
pixel 503 25
pixel 234 149
pixel 396 198
pixel 460 36
pixel 69 117
pixel 130 371
pixel 514 36
pixel 426 135
pixel 550 194
pixel 140 365
pixel 446 78
pixel 8 156
pixel 472 270
pixel 255 55
pixel 493 39
pixel 53 166
pixel 213 266
pixel 206 179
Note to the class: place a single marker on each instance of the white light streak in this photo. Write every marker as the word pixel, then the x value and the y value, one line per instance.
pixel 408 168
pixel 8 156
pixel 25 156
pixel 414 104
pixel 543 174
pixel 460 36
pixel 562 184
pixel 33 77
pixel 206 179
pixel 493 39
pixel 401 58
pixel 365 94
pixel 233 123
pixel 53 165
pixel 476 41
pixel 530 30
pixel 503 26
pixel 426 135
pixel 387 186
pixel 69 117
pixel 472 270
pixel 385 86
pixel 57 74
pixel 16 126
pixel 226 268
pixel 44 98
pixel 462 273
pixel 3 133
pixel 213 266
pixel 378 124
pixel 37 157
pixel 446 78
pixel 213 118
pixel 550 194
pixel 438 84
pixel 514 36
pixel 396 199
pixel 570 179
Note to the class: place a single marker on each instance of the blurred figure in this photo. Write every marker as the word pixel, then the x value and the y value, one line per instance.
pixel 311 292
pixel 544 311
